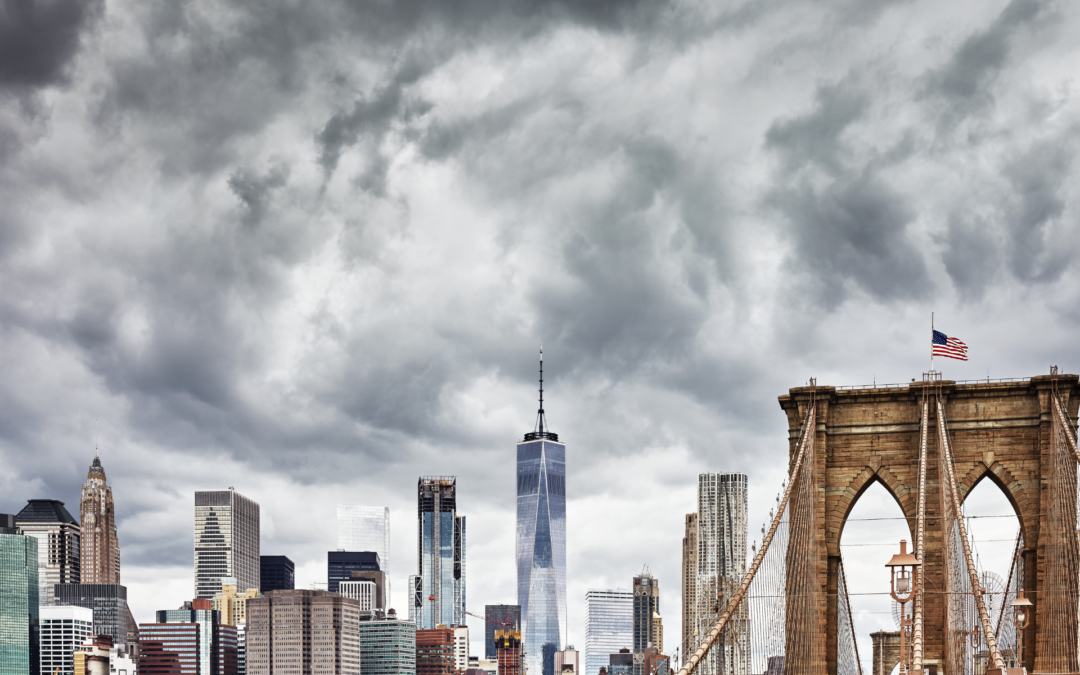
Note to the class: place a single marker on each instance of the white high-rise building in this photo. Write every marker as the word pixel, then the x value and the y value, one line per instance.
pixel 365 528
pixel 721 565
pixel 363 590
pixel 63 630
pixel 226 541
pixel 461 647
pixel 609 626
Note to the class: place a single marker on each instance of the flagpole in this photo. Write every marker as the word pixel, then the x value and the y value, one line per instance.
pixel 931 342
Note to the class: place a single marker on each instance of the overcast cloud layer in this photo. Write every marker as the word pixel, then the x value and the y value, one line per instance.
pixel 310 250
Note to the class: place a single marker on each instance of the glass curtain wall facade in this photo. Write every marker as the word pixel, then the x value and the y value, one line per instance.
pixel 365 528
pixel 721 562
pixel 387 647
pixel 276 573
pixel 18 600
pixel 541 548
pixel 112 615
pixel 226 541
pixel 609 626
pixel 508 615
pixel 440 591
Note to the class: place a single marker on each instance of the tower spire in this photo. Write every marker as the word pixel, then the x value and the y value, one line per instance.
pixel 540 414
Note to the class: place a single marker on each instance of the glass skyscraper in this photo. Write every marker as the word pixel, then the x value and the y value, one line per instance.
pixel 439 595
pixel 541 542
pixel 365 528
pixel 226 541
pixel 609 626
pixel 18 600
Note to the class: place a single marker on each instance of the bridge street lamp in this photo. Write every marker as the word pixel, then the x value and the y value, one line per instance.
pixel 1022 608
pixel 902 588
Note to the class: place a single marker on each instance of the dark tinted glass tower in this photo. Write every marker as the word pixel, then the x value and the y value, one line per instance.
pixel 541 542
pixel 439 593
pixel 508 615
pixel 341 564
pixel 111 613
pixel 277 573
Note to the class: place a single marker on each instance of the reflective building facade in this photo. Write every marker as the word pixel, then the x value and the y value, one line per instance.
pixel 226 541
pixel 609 626
pixel 18 600
pixel 439 593
pixel 507 615
pixel 365 528
pixel 541 542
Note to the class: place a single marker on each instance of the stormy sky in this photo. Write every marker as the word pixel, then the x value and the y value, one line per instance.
pixel 310 250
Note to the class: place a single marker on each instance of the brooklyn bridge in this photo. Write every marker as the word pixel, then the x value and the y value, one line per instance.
pixel 928 443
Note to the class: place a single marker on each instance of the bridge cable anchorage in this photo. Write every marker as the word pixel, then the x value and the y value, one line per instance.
pixel 806 439
pixel 920 540
pixel 947 462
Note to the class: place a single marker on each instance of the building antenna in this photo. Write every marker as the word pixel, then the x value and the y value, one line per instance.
pixel 540 413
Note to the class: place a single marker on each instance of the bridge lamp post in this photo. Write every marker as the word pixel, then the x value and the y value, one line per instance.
pixel 902 588
pixel 1022 608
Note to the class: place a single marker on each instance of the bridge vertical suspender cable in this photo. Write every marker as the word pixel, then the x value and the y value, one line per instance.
pixel 806 438
pixel 920 540
pixel 947 462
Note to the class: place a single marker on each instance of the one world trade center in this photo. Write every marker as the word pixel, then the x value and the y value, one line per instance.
pixel 541 542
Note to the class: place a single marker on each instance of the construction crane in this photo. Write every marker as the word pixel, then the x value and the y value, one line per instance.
pixel 504 624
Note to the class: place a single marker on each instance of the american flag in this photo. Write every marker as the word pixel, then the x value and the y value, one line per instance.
pixel 949 346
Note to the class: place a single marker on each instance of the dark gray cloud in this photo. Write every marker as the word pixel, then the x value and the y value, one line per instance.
pixel 39 39
pixel 312 250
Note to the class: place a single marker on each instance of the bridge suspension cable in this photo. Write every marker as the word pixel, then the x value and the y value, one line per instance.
pixel 920 540
pixel 947 476
pixel 806 441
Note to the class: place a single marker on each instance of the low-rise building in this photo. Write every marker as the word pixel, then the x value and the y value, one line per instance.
pixel 62 632
pixel 435 653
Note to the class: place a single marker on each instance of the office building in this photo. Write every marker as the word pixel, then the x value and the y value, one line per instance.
pixel 231 605
pixel 646 606
pixel 388 646
pixel 188 642
pixel 111 613
pixel 609 626
pixel 341 564
pixel 226 541
pixel 721 561
pixel 57 533
pixel 19 605
pixel 567 662
pixel 509 616
pixel 435 651
pixel 378 578
pixel 363 591
pixel 276 573
pixel 241 649
pixel 508 652
pixel 656 663
pixel 621 662
pixel 62 631
pixel 439 595
pixel 365 528
pixel 689 584
pixel 541 542
pixel 303 631
pixel 99 656
pixel 99 543
pixel 416 600
pixel 461 647
pixel 658 633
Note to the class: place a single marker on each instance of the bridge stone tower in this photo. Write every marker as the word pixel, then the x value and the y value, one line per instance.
pixel 1001 431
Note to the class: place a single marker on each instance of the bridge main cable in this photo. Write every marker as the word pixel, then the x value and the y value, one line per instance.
pixel 805 438
pixel 920 540
pixel 984 616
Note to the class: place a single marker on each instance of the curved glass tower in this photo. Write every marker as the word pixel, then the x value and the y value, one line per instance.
pixel 541 542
